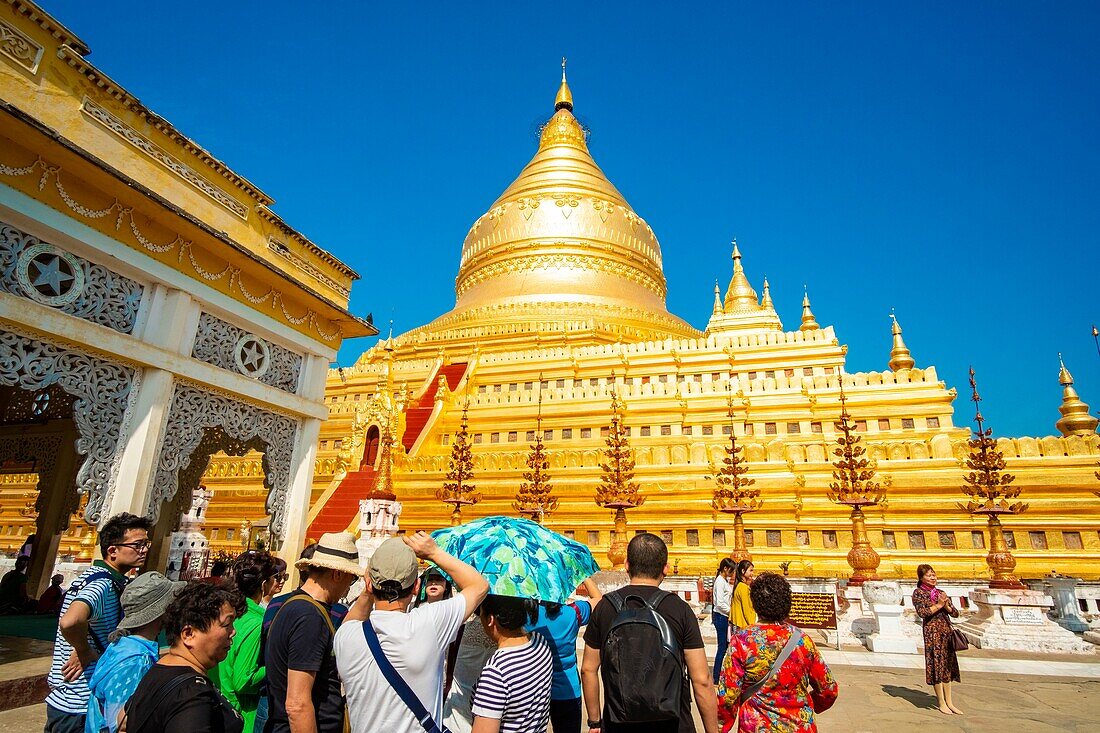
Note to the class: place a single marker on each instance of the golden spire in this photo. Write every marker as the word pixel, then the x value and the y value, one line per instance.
pixel 766 299
pixel 900 358
pixel 1075 419
pixel 717 299
pixel 564 99
pixel 740 296
pixel 809 323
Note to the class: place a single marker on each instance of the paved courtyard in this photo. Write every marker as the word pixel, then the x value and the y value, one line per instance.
pixel 874 700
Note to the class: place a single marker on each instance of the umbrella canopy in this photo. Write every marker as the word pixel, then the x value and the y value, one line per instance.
pixel 520 557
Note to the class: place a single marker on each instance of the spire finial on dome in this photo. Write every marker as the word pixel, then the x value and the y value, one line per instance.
pixel 564 99
pixel 1075 419
pixel 717 298
pixel 900 358
pixel 809 323
pixel 766 298
pixel 740 296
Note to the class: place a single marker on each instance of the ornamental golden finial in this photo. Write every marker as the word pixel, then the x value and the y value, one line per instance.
pixel 1075 419
pixel 766 298
pixel 900 358
pixel 717 298
pixel 809 323
pixel 564 99
pixel 855 487
pixel 740 295
pixel 989 489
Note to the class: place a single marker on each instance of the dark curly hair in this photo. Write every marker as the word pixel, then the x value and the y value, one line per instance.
pixel 250 570
pixel 198 605
pixel 770 594
pixel 511 613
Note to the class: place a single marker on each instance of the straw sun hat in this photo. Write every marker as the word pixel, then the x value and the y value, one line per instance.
pixel 335 551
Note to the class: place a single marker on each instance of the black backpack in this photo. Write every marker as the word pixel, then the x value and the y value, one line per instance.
pixel 641 663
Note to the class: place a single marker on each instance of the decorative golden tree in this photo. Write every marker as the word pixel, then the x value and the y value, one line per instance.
pixel 855 487
pixel 457 489
pixel 732 494
pixel 617 489
pixel 990 492
pixel 533 498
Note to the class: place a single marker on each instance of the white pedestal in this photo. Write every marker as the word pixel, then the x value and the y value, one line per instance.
pixel 1017 620
pixel 1066 610
pixel 884 599
pixel 854 623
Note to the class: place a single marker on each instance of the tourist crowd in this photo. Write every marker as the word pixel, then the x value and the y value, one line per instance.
pixel 419 653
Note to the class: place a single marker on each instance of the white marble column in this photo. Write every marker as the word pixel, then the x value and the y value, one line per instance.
pixel 171 324
pixel 311 386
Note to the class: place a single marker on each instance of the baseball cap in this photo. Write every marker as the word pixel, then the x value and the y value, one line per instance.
pixel 393 561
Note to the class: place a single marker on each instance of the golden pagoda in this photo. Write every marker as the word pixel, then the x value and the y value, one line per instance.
pixel 559 285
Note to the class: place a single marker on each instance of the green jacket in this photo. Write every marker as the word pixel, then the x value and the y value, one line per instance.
pixel 240 676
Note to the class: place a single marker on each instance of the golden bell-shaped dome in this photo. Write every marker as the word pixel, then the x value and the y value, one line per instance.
pixel 563 248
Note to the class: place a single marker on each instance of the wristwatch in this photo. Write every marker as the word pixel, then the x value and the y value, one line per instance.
pixel 598 723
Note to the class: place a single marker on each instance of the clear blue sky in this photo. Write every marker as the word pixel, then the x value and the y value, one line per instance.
pixel 942 159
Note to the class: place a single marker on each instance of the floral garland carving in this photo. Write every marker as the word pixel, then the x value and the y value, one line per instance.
pixel 572 261
pixel 97 294
pixel 183 247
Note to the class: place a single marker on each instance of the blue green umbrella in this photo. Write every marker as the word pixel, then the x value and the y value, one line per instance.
pixel 520 557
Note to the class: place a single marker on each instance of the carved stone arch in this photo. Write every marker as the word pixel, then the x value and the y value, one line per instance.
pixel 200 423
pixel 102 391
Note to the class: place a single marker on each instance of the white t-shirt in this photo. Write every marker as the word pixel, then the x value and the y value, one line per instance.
pixel 416 645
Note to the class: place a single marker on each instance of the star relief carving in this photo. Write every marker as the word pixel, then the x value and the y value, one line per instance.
pixel 51 275
pixel 252 356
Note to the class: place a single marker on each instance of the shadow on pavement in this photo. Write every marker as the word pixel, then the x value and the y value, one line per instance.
pixel 919 698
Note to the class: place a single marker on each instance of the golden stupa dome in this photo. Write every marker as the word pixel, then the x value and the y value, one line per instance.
pixel 563 248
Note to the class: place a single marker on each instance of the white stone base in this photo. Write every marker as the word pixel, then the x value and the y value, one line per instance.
pixel 889 637
pixel 1017 620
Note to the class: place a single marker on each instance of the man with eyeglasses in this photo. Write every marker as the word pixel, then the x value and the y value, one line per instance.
pixel 91 610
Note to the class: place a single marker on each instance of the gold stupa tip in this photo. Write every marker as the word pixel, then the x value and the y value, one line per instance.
pixel 766 297
pixel 900 358
pixel 1075 419
pixel 740 296
pixel 564 100
pixel 809 323
pixel 1064 377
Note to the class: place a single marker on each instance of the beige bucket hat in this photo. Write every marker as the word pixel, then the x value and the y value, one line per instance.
pixel 335 551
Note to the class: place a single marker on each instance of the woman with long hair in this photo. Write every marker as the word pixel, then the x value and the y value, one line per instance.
pixel 720 615
pixel 240 677
pixel 742 612
pixel 941 666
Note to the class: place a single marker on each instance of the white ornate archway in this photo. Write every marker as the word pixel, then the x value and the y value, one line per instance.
pixel 201 423
pixel 101 390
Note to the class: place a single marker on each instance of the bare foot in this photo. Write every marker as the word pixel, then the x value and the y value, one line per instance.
pixel 946 710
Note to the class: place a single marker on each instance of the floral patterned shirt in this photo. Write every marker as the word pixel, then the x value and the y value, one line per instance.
pixel 787 702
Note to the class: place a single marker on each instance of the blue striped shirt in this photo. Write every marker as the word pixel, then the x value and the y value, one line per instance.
pixel 514 687
pixel 106 611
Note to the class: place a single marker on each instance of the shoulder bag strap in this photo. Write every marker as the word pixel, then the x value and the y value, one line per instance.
pixel 785 652
pixel 99 575
pixel 398 683
pixel 152 707
pixel 313 602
